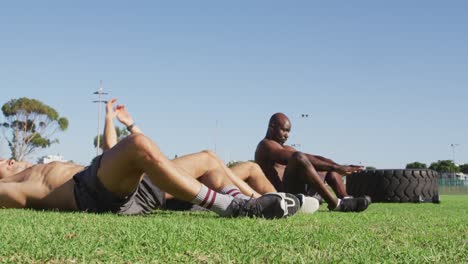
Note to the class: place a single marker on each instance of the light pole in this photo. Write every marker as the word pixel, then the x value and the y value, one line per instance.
pixel 296 145
pixel 99 92
pixel 454 145
pixel 453 151
pixel 302 116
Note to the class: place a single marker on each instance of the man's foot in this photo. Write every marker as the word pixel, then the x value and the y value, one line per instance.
pixel 309 205
pixel 319 198
pixel 269 206
pixel 358 204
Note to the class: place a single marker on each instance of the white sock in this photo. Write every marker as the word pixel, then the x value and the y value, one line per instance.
pixel 212 200
pixel 337 208
pixel 234 192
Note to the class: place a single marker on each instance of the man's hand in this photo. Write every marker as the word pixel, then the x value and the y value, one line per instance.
pixel 346 170
pixel 123 116
pixel 110 108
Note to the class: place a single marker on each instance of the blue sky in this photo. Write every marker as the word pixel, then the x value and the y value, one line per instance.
pixel 384 83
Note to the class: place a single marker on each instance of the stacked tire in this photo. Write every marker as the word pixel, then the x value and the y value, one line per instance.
pixel 409 185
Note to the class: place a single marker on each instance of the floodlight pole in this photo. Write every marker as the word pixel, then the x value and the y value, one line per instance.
pixel 296 145
pixel 302 116
pixel 454 145
pixel 453 151
pixel 99 92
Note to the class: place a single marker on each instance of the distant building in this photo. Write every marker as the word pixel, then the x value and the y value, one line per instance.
pixel 50 158
pixel 461 176
pixel 451 175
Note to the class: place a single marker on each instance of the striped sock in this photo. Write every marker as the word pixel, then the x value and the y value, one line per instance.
pixel 234 192
pixel 212 200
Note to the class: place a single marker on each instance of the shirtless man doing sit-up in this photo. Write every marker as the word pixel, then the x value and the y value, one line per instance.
pixel 293 171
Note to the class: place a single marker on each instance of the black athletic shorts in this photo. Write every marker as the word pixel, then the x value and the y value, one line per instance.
pixel 92 196
pixel 290 184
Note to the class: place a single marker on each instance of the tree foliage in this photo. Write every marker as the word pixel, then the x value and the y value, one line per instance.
pixel 32 125
pixel 121 133
pixel 444 166
pixel 416 165
pixel 370 168
pixel 233 163
pixel 464 168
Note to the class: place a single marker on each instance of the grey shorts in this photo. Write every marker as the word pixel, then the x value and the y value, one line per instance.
pixel 92 196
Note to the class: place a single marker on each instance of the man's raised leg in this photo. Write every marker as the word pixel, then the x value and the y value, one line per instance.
pixel 207 168
pixel 251 173
pixel 123 165
pixel 335 181
pixel 301 171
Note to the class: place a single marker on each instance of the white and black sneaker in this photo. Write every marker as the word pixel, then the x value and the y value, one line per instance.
pixel 352 204
pixel 269 206
pixel 309 205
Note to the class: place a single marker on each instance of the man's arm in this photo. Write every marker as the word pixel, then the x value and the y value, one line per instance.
pixel 323 164
pixel 281 154
pixel 272 151
pixel 333 166
pixel 324 159
pixel 110 136
pixel 126 119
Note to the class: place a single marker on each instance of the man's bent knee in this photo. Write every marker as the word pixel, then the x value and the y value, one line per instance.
pixel 210 153
pixel 143 148
pixel 253 166
pixel 299 157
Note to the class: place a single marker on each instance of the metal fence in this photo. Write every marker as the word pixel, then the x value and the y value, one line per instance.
pixel 453 186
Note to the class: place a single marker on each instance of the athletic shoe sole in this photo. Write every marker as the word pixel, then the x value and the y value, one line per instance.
pixel 309 204
pixel 289 203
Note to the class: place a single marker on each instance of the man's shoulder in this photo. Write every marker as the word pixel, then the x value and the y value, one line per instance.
pixel 267 143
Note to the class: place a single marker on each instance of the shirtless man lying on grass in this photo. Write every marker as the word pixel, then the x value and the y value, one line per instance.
pixel 122 181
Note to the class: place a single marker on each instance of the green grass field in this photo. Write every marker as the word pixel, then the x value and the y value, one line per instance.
pixel 385 233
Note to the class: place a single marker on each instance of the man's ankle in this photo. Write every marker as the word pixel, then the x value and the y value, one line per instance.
pixel 336 207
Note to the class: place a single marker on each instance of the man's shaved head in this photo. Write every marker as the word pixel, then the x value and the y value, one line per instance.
pixel 278 128
pixel 278 119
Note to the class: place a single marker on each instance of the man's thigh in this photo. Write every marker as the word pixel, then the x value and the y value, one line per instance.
pixel 193 165
pixel 117 171
pixel 241 170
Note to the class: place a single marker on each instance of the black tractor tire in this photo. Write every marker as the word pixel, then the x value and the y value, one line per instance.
pixel 410 185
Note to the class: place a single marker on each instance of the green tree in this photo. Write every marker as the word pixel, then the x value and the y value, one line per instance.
pixel 370 168
pixel 416 165
pixel 32 125
pixel 233 163
pixel 464 168
pixel 121 133
pixel 444 166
